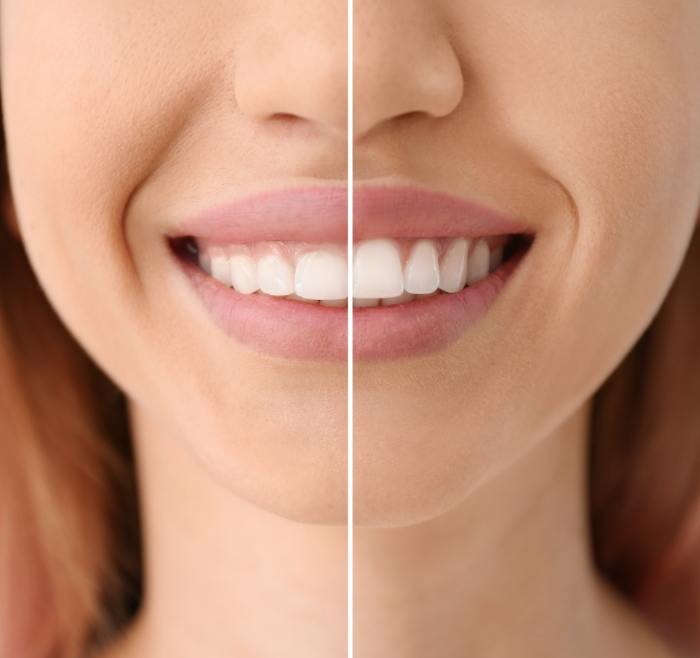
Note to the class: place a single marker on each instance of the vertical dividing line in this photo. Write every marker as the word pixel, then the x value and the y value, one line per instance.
pixel 350 480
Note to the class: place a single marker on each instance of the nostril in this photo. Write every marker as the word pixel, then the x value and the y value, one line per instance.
pixel 287 118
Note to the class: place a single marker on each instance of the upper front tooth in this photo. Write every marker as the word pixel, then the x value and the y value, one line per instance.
pixel 422 273
pixel 453 266
pixel 478 266
pixel 244 275
pixel 322 274
pixel 275 274
pixel 377 269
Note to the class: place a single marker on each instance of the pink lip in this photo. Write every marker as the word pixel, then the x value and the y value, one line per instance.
pixel 293 329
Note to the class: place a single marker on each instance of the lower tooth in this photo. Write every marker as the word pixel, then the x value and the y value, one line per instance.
pixel 401 299
pixel 338 303
pixel 296 298
pixel 362 302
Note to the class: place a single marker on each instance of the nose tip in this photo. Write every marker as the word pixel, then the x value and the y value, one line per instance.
pixel 403 66
pixel 301 79
pixel 383 95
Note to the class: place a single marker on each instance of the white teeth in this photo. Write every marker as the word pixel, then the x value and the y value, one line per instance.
pixel 302 299
pixel 377 269
pixel 244 275
pixel 275 275
pixel 205 263
pixel 322 274
pixel 362 302
pixel 220 269
pixel 386 271
pixel 401 299
pixel 453 267
pixel 478 266
pixel 421 273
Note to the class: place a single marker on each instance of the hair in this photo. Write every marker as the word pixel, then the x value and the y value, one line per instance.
pixel 69 488
pixel 645 465
pixel 68 497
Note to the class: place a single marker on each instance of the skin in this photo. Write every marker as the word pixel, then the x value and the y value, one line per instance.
pixel 137 113
pixel 583 119
pixel 141 132
pixel 468 461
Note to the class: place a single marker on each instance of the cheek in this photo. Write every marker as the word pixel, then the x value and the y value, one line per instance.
pixel 607 104
pixel 605 97
pixel 89 102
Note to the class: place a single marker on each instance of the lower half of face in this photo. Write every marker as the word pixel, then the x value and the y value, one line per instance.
pixel 507 254
pixel 587 128
pixel 118 143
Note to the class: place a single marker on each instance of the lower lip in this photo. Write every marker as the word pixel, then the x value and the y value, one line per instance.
pixel 296 330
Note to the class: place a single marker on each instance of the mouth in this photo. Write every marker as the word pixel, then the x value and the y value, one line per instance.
pixel 281 286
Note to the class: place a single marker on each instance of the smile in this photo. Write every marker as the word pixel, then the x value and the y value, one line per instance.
pixel 289 297
pixel 385 271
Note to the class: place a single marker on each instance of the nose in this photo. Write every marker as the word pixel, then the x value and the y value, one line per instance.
pixel 404 64
pixel 296 71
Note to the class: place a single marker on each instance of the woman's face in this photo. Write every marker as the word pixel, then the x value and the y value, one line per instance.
pixel 123 120
pixel 580 120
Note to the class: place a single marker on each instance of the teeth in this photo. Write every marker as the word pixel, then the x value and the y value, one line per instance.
pixel 361 302
pixel 244 273
pixel 478 266
pixel 275 275
pixel 421 274
pixel 322 274
pixel 302 299
pixel 205 263
pixel 377 269
pixel 220 269
pixel 453 267
pixel 386 272
pixel 401 299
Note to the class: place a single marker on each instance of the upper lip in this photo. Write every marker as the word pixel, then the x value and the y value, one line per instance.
pixel 319 214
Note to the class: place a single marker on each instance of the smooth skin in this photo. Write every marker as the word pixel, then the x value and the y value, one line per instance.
pixel 469 489
pixel 121 117
pixel 584 120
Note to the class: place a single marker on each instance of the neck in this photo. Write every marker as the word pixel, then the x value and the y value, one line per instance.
pixel 506 572
pixel 225 578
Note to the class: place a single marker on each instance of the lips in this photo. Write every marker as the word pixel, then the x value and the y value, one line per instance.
pixel 271 269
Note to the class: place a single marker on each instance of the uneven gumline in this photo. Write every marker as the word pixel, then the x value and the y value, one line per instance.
pixel 501 248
